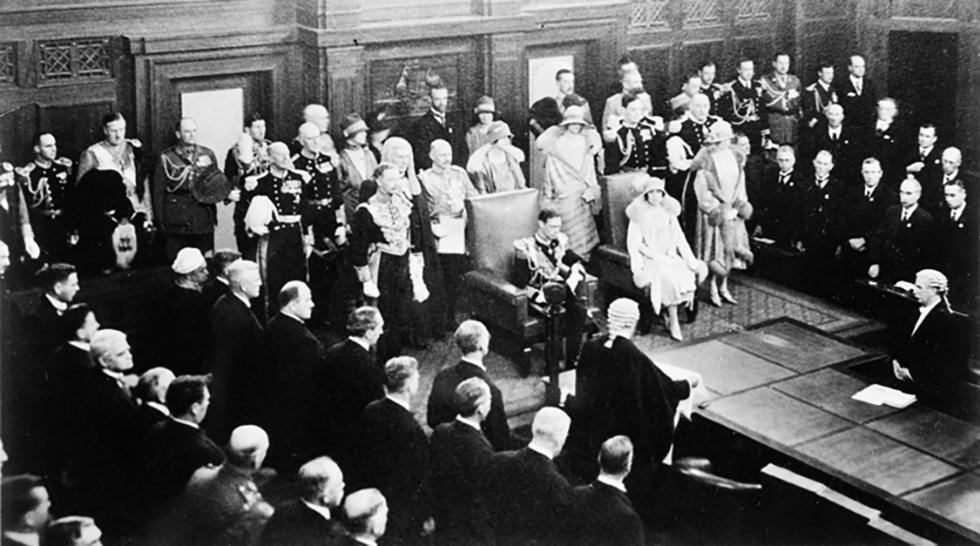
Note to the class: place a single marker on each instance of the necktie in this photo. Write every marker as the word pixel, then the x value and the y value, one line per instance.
pixel 952 215
pixel 857 86
pixel 833 136
pixel 905 215
pixel 867 193
pixel 783 179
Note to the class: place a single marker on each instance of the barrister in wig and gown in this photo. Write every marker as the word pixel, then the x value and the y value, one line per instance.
pixel 721 239
pixel 570 186
pixel 660 258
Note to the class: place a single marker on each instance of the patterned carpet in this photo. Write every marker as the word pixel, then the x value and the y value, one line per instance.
pixel 758 300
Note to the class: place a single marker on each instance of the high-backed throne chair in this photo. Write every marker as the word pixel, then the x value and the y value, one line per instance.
pixel 611 257
pixel 494 222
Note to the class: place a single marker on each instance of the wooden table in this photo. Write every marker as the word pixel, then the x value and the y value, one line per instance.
pixel 788 386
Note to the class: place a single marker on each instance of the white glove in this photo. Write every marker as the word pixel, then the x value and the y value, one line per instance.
pixel 370 290
pixel 30 246
pixel 416 269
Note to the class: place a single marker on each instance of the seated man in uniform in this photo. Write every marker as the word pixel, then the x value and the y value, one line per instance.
pixel 545 258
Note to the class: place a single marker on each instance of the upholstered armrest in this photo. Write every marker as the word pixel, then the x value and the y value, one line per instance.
pixel 495 297
pixel 613 254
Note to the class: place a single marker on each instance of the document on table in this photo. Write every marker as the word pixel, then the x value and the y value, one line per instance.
pixel 882 395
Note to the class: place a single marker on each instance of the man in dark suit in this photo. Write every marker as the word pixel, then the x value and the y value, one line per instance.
pixel 925 357
pixel 34 335
pixel 352 377
pixel 473 340
pixel 25 509
pixel 178 446
pixel 778 212
pixel 458 453
pixel 295 361
pixel 151 391
pixel 391 453
pixel 842 140
pixel 237 353
pixel 857 94
pixel 434 125
pixel 105 414
pixel 925 162
pixel 821 223
pixel 530 502
pixel 958 235
pixel 904 241
pixel 605 515
pixel 309 520
pixel 217 283
pixel 864 210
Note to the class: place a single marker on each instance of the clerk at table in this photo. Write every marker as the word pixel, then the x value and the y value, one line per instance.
pixel 926 357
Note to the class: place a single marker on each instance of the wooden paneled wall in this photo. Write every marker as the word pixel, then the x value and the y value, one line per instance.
pixel 351 54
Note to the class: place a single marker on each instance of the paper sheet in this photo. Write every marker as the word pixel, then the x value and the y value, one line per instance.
pixel 455 240
pixel 881 395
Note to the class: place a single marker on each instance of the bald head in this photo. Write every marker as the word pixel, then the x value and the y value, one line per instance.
pixel 549 430
pixel 318 115
pixel 699 106
pixel 247 446
pixel 279 154
pixel 153 385
pixel 952 159
pixel 441 153
pixel 322 481
pixel 367 513
pixel 909 192
pixel 308 129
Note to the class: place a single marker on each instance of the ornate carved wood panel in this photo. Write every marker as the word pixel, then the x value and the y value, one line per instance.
pixel 74 59
pixel 701 13
pixel 650 14
pixel 8 63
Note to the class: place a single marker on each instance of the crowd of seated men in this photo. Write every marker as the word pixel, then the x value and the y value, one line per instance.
pixel 177 454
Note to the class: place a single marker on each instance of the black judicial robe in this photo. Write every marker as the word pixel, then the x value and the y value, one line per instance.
pixel 619 390
pixel 932 354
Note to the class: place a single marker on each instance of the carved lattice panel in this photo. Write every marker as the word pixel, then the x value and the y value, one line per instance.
pixel 70 59
pixel 753 10
pixel 8 66
pixel 649 13
pixel 92 58
pixel 701 13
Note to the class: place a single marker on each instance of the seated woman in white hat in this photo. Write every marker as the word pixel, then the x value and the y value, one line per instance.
pixel 660 258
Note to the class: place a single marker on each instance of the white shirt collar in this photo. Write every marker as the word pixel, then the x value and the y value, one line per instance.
pixel 118 376
pixel 951 176
pixel 191 424
pixel 59 305
pixel 856 79
pixel 745 83
pixel 399 402
pixel 826 86
pixel 322 510
pixel 243 299
pixel 360 342
pixel 475 363
pixel 29 539
pixel 908 212
pixel 158 406
pixel 612 482
pixel 222 280
pixel 925 151
pixel 83 345
pixel 923 313
pixel 469 423
pixel 958 211
pixel 367 541
pixel 538 449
